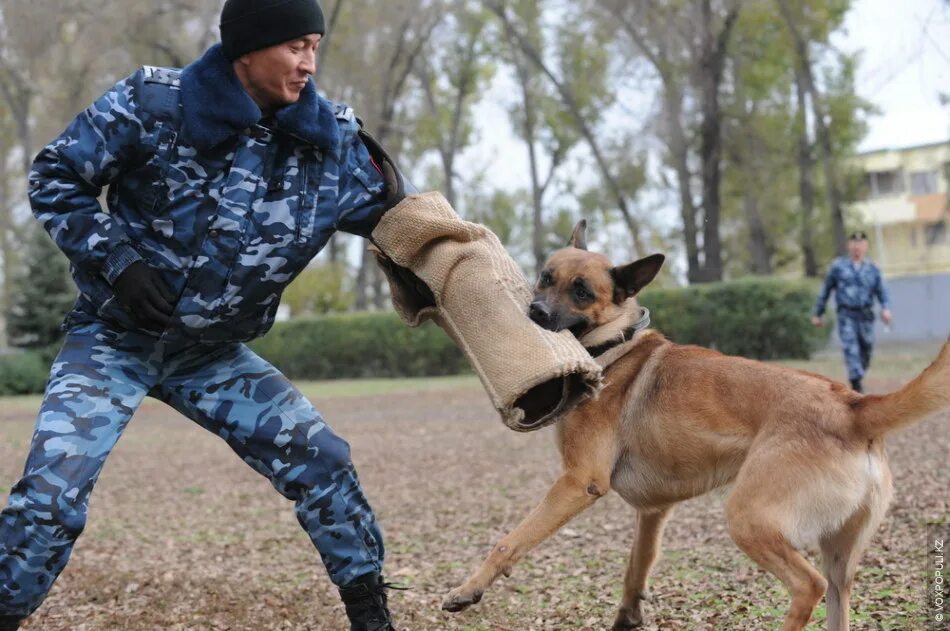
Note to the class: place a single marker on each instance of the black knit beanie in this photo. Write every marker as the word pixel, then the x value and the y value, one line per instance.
pixel 248 25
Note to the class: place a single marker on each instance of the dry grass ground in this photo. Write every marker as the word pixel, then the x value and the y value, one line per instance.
pixel 182 535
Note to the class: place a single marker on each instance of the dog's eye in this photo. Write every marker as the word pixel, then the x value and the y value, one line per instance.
pixel 545 280
pixel 581 291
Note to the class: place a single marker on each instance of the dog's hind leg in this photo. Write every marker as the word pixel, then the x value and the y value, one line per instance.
pixel 571 494
pixel 646 548
pixel 767 546
pixel 756 513
pixel 841 551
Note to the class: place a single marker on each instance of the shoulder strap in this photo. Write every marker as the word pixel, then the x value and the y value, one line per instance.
pixel 344 112
pixel 162 93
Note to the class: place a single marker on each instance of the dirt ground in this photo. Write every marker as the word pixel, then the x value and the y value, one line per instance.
pixel 183 535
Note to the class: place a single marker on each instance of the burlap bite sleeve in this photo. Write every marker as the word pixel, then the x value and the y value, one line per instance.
pixel 533 376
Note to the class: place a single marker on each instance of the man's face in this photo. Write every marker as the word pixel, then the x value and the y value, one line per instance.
pixel 857 248
pixel 275 76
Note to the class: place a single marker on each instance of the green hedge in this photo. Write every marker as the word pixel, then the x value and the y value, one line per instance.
pixel 759 318
pixel 359 345
pixel 23 372
pixel 762 318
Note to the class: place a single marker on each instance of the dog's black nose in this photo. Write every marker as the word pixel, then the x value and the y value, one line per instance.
pixel 540 313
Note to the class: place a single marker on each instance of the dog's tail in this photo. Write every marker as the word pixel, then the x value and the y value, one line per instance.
pixel 877 415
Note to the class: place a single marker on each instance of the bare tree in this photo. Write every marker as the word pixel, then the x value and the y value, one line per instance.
pixel 452 72
pixel 666 35
pixel 570 101
pixel 375 49
pixel 823 135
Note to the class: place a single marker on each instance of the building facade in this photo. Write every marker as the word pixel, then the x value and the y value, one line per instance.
pixel 906 208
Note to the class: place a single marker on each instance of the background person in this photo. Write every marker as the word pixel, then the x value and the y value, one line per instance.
pixel 856 282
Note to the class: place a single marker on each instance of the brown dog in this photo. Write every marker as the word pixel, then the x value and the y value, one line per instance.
pixel 805 454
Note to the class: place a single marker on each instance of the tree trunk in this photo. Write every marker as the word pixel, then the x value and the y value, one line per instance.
pixel 466 85
pixel 17 94
pixel 806 185
pixel 325 40
pixel 528 131
pixel 676 138
pixel 822 133
pixel 6 241
pixel 831 176
pixel 449 148
pixel 711 70
pixel 360 287
pixel 759 247
pixel 333 248
pixel 679 154
pixel 379 291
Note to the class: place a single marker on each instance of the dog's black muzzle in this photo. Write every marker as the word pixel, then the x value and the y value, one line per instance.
pixel 544 316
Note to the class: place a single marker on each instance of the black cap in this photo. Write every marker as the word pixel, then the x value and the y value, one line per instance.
pixel 858 235
pixel 248 25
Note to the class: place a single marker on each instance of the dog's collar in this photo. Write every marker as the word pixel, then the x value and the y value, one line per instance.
pixel 625 335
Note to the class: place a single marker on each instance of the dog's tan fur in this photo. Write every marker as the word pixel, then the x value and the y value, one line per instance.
pixel 804 454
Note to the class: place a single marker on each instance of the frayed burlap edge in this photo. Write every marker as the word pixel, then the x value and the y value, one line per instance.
pixel 481 300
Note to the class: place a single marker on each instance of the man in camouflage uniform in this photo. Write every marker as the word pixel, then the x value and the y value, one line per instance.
pixel 856 283
pixel 225 178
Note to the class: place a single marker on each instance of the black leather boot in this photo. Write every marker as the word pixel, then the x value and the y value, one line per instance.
pixel 856 385
pixel 9 623
pixel 366 606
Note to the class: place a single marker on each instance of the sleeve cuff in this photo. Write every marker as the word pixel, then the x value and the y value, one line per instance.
pixel 118 261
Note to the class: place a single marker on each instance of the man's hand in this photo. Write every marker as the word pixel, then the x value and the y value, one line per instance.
pixel 817 321
pixel 886 316
pixel 145 295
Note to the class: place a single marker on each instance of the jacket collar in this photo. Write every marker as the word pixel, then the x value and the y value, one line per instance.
pixel 216 107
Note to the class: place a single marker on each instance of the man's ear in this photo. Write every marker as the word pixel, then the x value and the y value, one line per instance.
pixel 631 278
pixel 579 236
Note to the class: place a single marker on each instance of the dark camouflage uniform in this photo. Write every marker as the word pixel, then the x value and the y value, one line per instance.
pixel 229 211
pixel 855 291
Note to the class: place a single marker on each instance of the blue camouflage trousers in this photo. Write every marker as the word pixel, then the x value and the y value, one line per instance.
pixel 99 379
pixel 856 333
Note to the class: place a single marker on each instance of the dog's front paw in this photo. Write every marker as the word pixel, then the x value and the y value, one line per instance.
pixel 460 598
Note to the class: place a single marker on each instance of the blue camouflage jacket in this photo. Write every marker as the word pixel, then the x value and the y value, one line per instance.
pixel 855 289
pixel 228 209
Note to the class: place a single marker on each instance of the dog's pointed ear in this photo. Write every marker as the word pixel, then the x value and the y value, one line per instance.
pixel 579 236
pixel 631 278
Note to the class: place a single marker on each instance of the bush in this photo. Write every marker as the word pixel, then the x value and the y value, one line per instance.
pixel 761 318
pixel 359 345
pixel 23 372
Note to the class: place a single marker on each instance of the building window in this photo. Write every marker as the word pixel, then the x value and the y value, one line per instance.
pixel 923 182
pixel 936 233
pixel 885 183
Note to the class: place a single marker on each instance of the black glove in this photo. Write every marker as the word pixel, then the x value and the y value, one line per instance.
pixel 421 296
pixel 145 295
pixel 395 184
pixel 395 193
